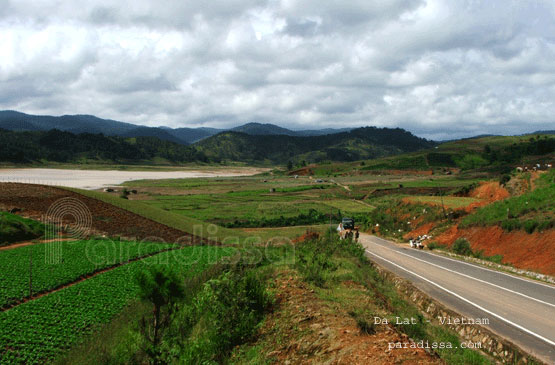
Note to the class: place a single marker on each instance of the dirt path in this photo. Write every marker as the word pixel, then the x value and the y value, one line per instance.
pixel 38 242
pixel 364 203
pixel 346 187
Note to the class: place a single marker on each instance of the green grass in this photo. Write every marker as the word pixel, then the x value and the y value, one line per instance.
pixel 46 327
pixel 448 201
pixel 278 234
pixel 227 207
pixel 14 228
pixel 79 258
pixel 223 184
pixel 240 202
pixel 180 222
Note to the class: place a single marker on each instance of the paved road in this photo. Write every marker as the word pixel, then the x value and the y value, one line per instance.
pixel 521 310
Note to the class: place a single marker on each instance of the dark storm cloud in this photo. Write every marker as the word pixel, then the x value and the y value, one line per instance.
pixel 440 68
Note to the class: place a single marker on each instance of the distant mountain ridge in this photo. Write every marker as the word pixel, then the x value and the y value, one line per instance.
pixel 357 144
pixel 17 121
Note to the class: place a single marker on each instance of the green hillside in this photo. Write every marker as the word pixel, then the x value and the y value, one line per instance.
pixel 14 228
pixel 531 211
pixel 361 143
pixel 492 153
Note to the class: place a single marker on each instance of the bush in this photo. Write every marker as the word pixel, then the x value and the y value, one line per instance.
pixel 366 327
pixel 495 258
pixel 510 225
pixel 530 226
pixel 462 247
pixel 433 245
pixel 225 314
pixel 314 260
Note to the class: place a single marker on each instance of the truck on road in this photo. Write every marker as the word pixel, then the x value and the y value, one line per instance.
pixel 347 229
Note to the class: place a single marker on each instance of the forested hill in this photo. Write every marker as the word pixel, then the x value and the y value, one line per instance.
pixel 360 143
pixel 59 146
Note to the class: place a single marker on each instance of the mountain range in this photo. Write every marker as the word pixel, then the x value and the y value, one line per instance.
pixel 17 121
pixel 71 138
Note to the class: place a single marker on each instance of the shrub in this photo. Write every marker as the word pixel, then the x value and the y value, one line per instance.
pixel 530 226
pixel 510 224
pixel 228 310
pixel 433 245
pixel 495 258
pixel 504 179
pixel 462 247
pixel 366 326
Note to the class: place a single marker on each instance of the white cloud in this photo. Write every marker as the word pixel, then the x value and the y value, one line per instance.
pixel 439 68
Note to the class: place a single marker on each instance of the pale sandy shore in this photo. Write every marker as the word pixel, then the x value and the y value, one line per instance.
pixel 96 179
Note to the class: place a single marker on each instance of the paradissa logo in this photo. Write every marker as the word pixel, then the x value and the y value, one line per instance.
pixel 71 215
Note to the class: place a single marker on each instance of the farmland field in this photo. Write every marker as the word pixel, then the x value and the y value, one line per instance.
pixel 44 328
pixel 454 202
pixel 261 201
pixel 76 260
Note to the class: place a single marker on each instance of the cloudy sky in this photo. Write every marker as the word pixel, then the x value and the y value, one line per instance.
pixel 438 68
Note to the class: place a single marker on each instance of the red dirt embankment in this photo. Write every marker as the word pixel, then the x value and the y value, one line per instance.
pixel 488 192
pixel 35 200
pixel 420 231
pixel 535 252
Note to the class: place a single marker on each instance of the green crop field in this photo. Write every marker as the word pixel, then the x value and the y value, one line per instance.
pixel 76 259
pixel 43 328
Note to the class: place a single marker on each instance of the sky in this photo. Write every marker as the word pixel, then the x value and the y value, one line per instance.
pixel 441 69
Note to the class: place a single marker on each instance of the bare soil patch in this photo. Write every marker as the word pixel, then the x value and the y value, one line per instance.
pixel 488 192
pixel 35 200
pixel 36 242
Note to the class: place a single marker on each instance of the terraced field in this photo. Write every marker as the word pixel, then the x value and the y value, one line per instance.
pixel 43 328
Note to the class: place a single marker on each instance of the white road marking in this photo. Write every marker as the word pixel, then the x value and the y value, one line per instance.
pixel 479 267
pixel 471 277
pixel 468 301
